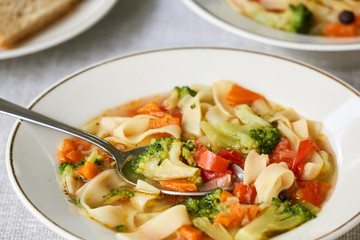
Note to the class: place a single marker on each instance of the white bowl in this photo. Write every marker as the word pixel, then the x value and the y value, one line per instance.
pixel 224 16
pixel 31 150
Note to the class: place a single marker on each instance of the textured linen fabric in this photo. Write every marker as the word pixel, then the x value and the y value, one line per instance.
pixel 131 26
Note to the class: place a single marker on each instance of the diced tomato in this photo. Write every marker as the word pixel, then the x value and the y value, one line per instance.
pixel 232 155
pixel 210 161
pixel 223 181
pixel 312 191
pixel 282 153
pixel 245 193
pixel 176 112
pixel 306 147
pixel 209 175
pixel 240 95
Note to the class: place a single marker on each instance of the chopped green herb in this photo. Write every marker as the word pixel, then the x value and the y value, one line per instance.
pixel 121 228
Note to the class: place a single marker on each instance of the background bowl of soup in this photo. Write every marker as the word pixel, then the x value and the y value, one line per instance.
pixel 223 15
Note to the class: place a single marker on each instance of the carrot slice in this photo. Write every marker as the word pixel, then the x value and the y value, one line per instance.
pixel 61 156
pixel 67 145
pixel 188 232
pixel 88 170
pixel 74 156
pixel 162 122
pixel 240 95
pixel 225 195
pixel 224 220
pixel 340 30
pixel 253 210
pixel 237 212
pixel 150 107
pixel 178 185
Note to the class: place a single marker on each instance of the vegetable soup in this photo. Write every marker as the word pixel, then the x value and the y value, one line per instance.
pixel 276 166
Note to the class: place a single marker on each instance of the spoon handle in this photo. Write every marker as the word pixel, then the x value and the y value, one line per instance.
pixel 37 118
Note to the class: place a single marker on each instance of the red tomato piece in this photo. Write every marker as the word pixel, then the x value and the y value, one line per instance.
pixel 245 193
pixel 223 181
pixel 209 175
pixel 312 191
pixel 282 153
pixel 208 160
pixel 306 147
pixel 232 155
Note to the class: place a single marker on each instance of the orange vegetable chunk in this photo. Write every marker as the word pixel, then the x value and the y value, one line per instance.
pixel 61 156
pixel 148 108
pixel 67 145
pixel 74 156
pixel 340 30
pixel 178 185
pixel 253 211
pixel 89 170
pixel 188 232
pixel 225 195
pixel 240 95
pixel 162 122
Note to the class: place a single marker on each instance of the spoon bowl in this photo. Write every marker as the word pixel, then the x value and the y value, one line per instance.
pixel 123 159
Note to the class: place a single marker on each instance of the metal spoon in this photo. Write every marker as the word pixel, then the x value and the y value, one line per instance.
pixel 123 166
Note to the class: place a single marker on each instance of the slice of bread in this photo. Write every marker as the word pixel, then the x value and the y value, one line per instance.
pixel 21 18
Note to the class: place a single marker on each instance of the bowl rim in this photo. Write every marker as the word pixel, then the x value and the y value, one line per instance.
pixel 228 26
pixel 345 227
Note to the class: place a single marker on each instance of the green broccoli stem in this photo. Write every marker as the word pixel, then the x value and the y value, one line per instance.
pixel 215 231
pixel 279 217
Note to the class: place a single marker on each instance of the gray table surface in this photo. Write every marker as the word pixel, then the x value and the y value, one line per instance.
pixel 131 26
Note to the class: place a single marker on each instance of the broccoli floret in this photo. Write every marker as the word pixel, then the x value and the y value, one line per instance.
pixel 162 160
pixel 188 152
pixel 67 169
pixel 279 217
pixel 208 206
pixel 215 231
pixel 115 195
pixel 266 138
pixel 183 91
pixel 158 151
pixel 301 18
pixel 95 158
pixel 176 95
pixel 256 133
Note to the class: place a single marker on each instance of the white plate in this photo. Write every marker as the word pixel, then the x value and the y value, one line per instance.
pixel 31 150
pixel 85 15
pixel 224 16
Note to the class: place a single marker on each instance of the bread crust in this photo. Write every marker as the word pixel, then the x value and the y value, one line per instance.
pixel 21 19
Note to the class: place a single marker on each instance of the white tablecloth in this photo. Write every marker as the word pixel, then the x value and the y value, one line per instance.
pixel 133 25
